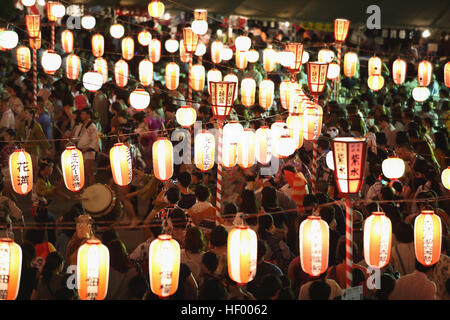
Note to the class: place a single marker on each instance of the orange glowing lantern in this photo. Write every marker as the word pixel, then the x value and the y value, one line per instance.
pixel 23 56
pixel 424 73
pixel 312 121
pixel 242 247
pixel 375 66
pixel 101 66
pixel 350 64
pixel 297 50
pixel 184 57
pixel 241 59
pixel 445 178
pixel 186 116
pixel 427 237
pixel 121 165
pixel 317 77
pixel 216 50
pixel 263 151
pixel 162 159
pixel 156 9
pixel 204 149
pixel 190 40
pixel 164 265
pixel 93 270
pixel 341 27
pixel 246 149
pixel 222 96
pixel 269 59
pixel 73 64
pixel 197 77
pixel 377 240
pixel 229 154
pixel 98 45
pixel 447 74
pixel 10 268
pixel 375 83
pixel 50 15
pixel 230 77
pixel 128 48
pixel 213 75
pixel 33 23
pixel 266 92
pixel 121 73
pixel 314 237
pixel 248 89
pixel 72 164
pixel 21 171
pixel 35 43
pixel 399 71
pixel 144 38
pixel 155 50
pixel 67 41
pixel 295 123
pixel 145 72
pixel 172 76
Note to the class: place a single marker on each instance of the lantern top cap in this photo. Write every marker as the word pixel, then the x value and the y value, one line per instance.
pixel 6 240
pixel 427 212
pixel 161 138
pixel 311 217
pixel 242 228
pixel 317 62
pixel 378 213
pixel 349 139
pixel 93 241
pixel 164 237
pixel 118 144
pixel 341 19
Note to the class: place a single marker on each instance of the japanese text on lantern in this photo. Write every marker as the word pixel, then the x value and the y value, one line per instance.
pixel 92 273
pixel 355 160
pixel 316 247
pixel 341 156
pixel 4 270
pixel 75 166
pixel 428 239
pixel 384 243
pixel 23 169
pixel 166 269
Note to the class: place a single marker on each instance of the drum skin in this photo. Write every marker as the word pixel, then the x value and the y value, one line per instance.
pixel 100 201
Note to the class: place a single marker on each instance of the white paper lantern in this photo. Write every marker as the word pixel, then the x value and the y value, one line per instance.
pixel 92 81
pixel 420 94
pixel 88 22
pixel 8 39
pixel 117 31
pixel 51 61
pixel 305 57
pixel 326 55
pixel 252 56
pixel 242 43
pixel 329 160
pixel 285 58
pixel 139 99
pixel 58 10
pixel 226 53
pixel 201 50
pixel 171 45
pixel 333 70
pixel 199 27
pixel 28 3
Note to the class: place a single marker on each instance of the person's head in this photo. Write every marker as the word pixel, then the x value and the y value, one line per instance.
pixel 137 287
pixel 358 219
pixel 327 215
pixel 178 218
pixel 310 203
pixel 218 237
pixel 109 235
pixel 197 177
pixel 86 114
pixel 319 290
pixel 118 256
pixel 405 151
pixel 381 139
pixel 261 250
pixel 387 285
pixel 386 193
pixel 212 289
pixel 202 193
pixel 270 287
pixel 45 168
pixel 404 232
pixel 194 241
pixel 424 269
pixel 35 236
pixel 265 225
pixel 269 197
pixel 53 265
pixel 358 277
pixel 173 195
pixel 210 261
pixel 323 144
pixel 28 114
pixel 184 179
pixel 248 202
pixel 68 219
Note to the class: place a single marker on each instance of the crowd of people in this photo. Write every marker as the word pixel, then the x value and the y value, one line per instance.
pixel 185 206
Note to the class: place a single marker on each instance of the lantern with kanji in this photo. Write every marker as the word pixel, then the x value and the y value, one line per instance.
pixel 241 59
pixel 23 56
pixel 72 165
pixel 377 240
pixel 425 73
pixel 213 75
pixel 317 77
pixel 33 23
pixel 325 55
pixel 350 162
pixel 128 48
pixel 295 123
pixel 156 9
pixel 242 247
pixel 246 149
pixel 341 27
pixel 164 265
pixel 314 249
pixel 350 64
pixel 447 74
pixel 427 237
pixel 393 167
pixel 121 165
pixel 199 25
pixel 172 76
pixel 263 144
pixel 297 50
pixel 101 66
pixel 204 149
pixel 375 82
pixel 162 159
pixel 145 72
pixel 399 71
pixel 117 31
pixel 197 77
pixel 98 45
pixel 216 49
pixel 154 50
pixel 190 40
pixel 242 43
pixel 186 116
pixel 73 64
pixel 67 41
pixel 269 59
pixel 92 270
pixel 375 66
pixel 248 89
pixel 21 171
pixel 92 81
pixel 121 73
pixel 139 99
pixel 266 93
pixel 445 178
pixel 222 96
pixel 312 121
pixel 51 61
pixel 144 38
pixel 10 268
pixel 231 77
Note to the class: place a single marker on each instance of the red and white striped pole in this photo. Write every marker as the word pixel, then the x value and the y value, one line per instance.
pixel 219 175
pixel 314 158
pixel 53 36
pixel 189 80
pixel 338 78
pixel 34 74
pixel 348 243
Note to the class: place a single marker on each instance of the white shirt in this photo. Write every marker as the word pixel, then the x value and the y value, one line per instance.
pixel 8 120
pixel 88 137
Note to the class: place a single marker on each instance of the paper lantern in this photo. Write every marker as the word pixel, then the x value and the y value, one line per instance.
pixel 297 50
pixel 171 45
pixel 184 57
pixel 127 48
pixel 312 121
pixel 92 81
pixel 242 43
pixel 283 147
pixel 263 144
pixel 285 58
pixel 190 40
pixel 51 61
pixel 197 77
pixel 21 171
pixel 248 89
pixel 447 74
pixel 204 150
pixel 73 65
pixel 330 160
pixel 266 93
pixel 98 45
pixel 121 165
pixel 139 99
pixel 252 55
pixel 375 83
pixel 333 70
pixel 199 25
pixel 317 77
pixel 341 27
pixel 162 159
pixel 427 237
pixel 230 77
pixel 49 8
pixel 186 116
pixel 425 73
pixel 164 265
pixel 92 270
pixel 305 57
pixel 8 39
pixel 399 71
pixel 222 95
pixel 278 129
pixel 291 96
pixel 117 31
pixel 350 64
pixel 242 249
pixel 216 49
pixel 233 132
pixel 246 149
pixel 375 66
pixel 325 55
pixel 226 53
pixel 144 38
pixel 101 66
pixel 72 165
pixel 393 167
pixel 350 161
pixel 445 177
pixel 33 23
pixel 314 237
pixel 241 59
pixel 377 240
pixel 213 75
pixel 10 268
pixel 269 59
pixel 154 50
pixel 145 72
pixel 35 43
pixel 23 56
pixel 121 73
pixel 88 22
pixel 156 9
pixel 295 123
pixel 229 154
pixel 67 41
pixel 28 3
pixel 201 50
pixel 57 11
pixel 172 76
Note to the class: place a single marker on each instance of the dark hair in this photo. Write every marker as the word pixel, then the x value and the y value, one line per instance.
pixel 198 175
pixel 185 179
pixel 178 218
pixel 289 168
pixel 53 261
pixel 28 254
pixel 194 241
pixel 248 204
pixel 173 195
pixel 87 111
pixel 109 235
pixel 219 236
pixel 202 192
pixel 210 260
pixel 327 214
pixel 116 106
pixel 118 256
pixel 381 138
pixel 230 209
pixel 269 197
pixel 309 201
pixel 35 236
pixel 387 193
pixel 319 290
pixel 404 232
pixel 387 283
pixel 357 277
pixel 264 224
pixel 270 285
pixel 262 249
pixel 441 141
pixel 421 268
pixel 212 289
